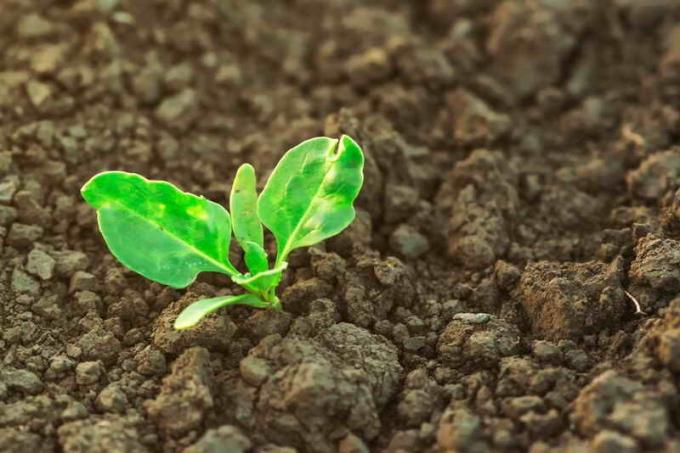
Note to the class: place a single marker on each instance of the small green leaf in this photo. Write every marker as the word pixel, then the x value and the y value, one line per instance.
pixel 310 193
pixel 157 230
pixel 255 257
pixel 264 281
pixel 247 227
pixel 243 205
pixel 192 314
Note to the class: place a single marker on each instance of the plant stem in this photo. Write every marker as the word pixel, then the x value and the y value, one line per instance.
pixel 276 304
pixel 272 299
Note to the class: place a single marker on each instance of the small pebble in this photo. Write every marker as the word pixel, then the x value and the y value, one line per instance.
pixel 111 399
pixel 40 264
pixel 21 380
pixel 473 318
pixel 254 370
pixel 88 373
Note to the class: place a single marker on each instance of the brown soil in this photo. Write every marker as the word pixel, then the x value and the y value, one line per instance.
pixel 523 167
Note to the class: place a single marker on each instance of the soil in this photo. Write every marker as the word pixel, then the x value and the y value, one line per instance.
pixel 522 195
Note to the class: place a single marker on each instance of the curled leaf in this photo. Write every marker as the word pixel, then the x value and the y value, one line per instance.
pixel 243 205
pixel 310 194
pixel 247 227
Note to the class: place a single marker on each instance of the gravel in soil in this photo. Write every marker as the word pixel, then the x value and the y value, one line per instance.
pixel 522 191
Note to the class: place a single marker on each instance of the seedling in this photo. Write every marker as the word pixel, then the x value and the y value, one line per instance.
pixel 170 236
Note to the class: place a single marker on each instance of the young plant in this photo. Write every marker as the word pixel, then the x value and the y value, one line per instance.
pixel 170 236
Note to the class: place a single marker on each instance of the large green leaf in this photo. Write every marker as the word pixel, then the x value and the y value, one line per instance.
pixel 310 193
pixel 192 314
pixel 159 231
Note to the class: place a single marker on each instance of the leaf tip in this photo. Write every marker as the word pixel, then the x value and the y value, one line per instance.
pixel 184 322
pixel 90 191
pixel 245 173
pixel 85 190
pixel 349 145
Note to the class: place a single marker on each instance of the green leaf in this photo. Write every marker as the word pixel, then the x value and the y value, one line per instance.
pixel 192 314
pixel 264 281
pixel 247 227
pixel 255 257
pixel 310 193
pixel 243 205
pixel 157 230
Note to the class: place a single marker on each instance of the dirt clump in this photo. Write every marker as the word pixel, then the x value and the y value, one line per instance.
pixel 102 435
pixel 569 300
pixel 484 193
pixel 185 395
pixel 471 341
pixel 341 378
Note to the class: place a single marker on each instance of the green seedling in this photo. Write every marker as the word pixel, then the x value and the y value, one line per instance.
pixel 170 236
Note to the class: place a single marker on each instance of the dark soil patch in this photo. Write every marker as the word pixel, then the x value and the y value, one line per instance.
pixel 522 184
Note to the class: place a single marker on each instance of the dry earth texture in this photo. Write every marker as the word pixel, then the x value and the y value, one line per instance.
pixel 523 167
